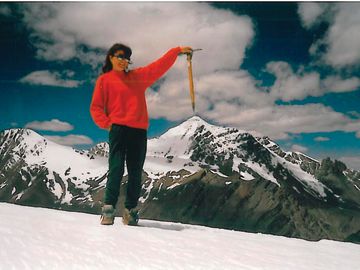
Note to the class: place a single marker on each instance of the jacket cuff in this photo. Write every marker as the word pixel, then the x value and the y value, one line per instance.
pixel 177 50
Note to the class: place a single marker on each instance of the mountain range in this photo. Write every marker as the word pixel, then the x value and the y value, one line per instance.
pixel 194 173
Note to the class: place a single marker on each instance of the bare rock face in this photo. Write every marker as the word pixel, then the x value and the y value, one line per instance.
pixel 194 173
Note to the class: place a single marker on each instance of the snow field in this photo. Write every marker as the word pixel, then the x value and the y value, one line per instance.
pixel 38 238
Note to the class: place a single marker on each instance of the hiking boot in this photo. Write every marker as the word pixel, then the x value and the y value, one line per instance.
pixel 107 215
pixel 130 217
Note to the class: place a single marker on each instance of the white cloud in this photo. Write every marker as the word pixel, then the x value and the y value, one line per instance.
pixel 148 28
pixel 232 98
pixel 299 148
pixel 224 94
pixel 59 126
pixel 343 36
pixel 337 84
pixel 351 162
pixel 341 41
pixel 321 139
pixel 353 125
pixel 172 100
pixel 70 140
pixel 279 121
pixel 53 125
pixel 310 12
pixel 290 85
pixel 46 77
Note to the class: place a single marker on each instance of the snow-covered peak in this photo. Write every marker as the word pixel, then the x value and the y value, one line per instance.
pixel 178 144
pixel 187 127
pixel 26 136
pixel 28 149
pixel 24 142
pixel 172 150
pixel 177 140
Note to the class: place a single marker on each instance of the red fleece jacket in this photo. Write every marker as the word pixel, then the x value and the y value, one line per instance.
pixel 119 97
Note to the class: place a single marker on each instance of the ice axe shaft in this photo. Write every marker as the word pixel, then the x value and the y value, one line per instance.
pixel 191 80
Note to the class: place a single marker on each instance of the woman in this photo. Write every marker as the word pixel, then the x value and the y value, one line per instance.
pixel 119 105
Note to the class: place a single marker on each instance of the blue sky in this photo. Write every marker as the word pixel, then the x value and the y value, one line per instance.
pixel 289 71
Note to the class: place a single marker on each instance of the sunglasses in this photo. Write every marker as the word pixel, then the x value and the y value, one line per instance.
pixel 121 57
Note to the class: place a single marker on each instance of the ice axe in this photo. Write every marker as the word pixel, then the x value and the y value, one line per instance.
pixel 191 81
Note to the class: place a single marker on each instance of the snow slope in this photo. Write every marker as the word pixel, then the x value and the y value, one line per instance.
pixel 37 238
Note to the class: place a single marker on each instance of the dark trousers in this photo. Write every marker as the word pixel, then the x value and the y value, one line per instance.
pixel 126 144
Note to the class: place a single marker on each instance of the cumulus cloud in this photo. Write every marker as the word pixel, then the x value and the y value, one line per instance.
pixel 310 12
pixel 343 36
pixel 52 125
pixel 70 140
pixel 337 84
pixel 59 126
pixel 278 121
pixel 224 94
pixel 233 87
pixel 50 78
pixel 299 148
pixel 148 28
pixel 321 139
pixel 234 99
pixel 290 85
pixel 341 41
pixel 351 162
pixel 353 125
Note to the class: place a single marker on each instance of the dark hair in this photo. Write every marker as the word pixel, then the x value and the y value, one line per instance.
pixel 114 48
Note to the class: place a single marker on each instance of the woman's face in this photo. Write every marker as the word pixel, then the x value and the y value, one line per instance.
pixel 118 64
